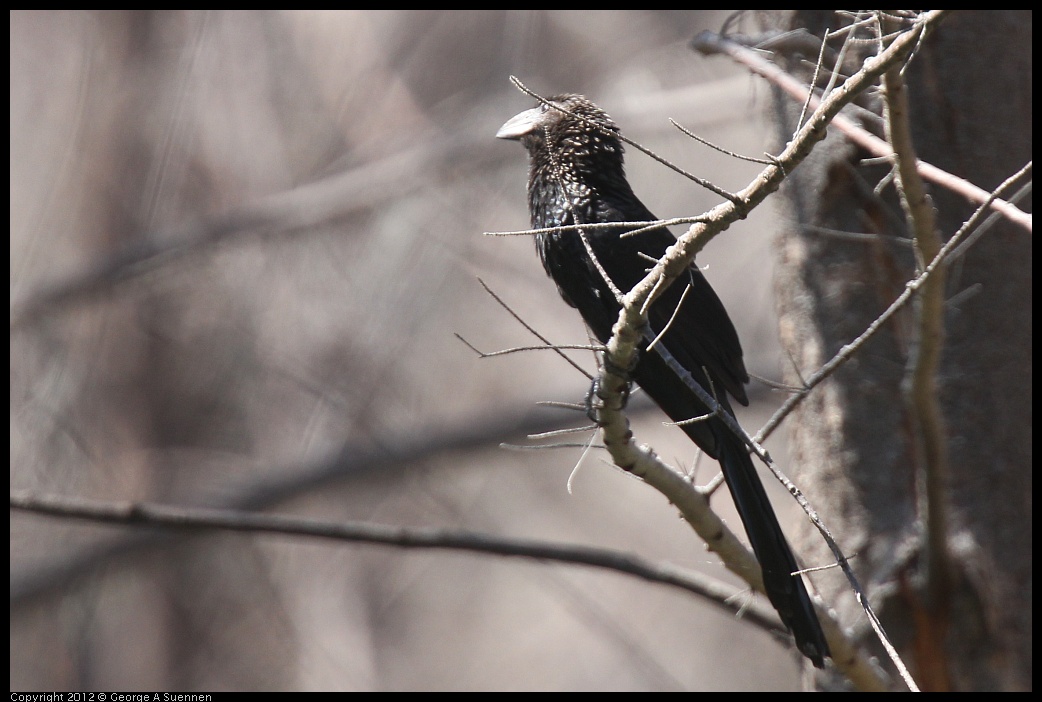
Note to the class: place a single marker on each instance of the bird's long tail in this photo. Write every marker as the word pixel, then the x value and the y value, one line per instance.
pixel 786 592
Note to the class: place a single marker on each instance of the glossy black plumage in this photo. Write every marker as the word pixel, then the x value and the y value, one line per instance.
pixel 576 177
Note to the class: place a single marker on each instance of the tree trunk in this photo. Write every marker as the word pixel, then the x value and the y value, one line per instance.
pixel 854 442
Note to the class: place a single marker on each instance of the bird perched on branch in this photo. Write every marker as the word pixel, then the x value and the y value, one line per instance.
pixel 576 177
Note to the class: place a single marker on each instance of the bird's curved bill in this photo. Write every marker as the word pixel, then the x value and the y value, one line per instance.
pixel 520 124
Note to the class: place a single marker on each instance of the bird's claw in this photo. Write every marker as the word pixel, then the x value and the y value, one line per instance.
pixel 595 401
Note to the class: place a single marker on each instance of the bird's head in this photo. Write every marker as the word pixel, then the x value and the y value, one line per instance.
pixel 568 128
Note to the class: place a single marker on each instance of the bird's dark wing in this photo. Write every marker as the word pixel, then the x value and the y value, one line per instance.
pixel 701 334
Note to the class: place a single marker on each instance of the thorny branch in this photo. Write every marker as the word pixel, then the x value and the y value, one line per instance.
pixel 628 332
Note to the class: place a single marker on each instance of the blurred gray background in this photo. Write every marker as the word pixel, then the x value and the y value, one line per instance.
pixel 319 184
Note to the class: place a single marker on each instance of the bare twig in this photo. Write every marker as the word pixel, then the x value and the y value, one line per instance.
pixel 519 349
pixel 930 441
pixel 640 226
pixel 676 311
pixel 197 519
pixel 708 42
pixel 274 484
pixel 844 354
pixel 559 432
pixel 646 151
pixel 531 330
pixel 711 145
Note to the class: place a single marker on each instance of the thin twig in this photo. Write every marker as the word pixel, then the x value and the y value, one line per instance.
pixel 676 311
pixel 713 146
pixel 930 440
pixel 197 519
pixel 559 432
pixel 710 43
pixel 848 350
pixel 646 151
pixel 518 349
pixel 531 330
pixel 643 224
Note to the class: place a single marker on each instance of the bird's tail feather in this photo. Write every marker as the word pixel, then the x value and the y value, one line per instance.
pixel 786 592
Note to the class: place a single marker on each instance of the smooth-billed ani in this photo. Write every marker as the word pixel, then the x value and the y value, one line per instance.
pixel 576 177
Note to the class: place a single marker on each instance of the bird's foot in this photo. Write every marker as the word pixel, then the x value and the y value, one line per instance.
pixel 595 401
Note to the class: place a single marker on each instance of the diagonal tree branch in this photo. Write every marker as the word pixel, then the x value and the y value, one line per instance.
pixel 623 347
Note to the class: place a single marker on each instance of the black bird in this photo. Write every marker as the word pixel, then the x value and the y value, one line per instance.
pixel 576 177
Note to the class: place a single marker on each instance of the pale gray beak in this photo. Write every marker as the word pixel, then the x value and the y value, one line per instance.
pixel 521 124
